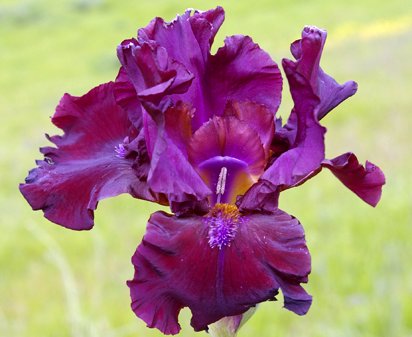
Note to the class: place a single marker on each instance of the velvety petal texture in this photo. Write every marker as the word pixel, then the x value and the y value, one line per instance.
pixel 84 167
pixel 176 267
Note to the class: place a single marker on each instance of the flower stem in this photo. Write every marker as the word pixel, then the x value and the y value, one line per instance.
pixel 226 327
pixel 229 326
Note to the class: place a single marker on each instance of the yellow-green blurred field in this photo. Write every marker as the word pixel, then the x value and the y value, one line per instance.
pixel 57 283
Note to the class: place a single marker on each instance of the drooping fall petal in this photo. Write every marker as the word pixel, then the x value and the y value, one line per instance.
pixel 307 52
pixel 176 267
pixel 85 167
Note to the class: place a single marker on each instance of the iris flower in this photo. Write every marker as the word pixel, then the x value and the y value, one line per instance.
pixel 198 131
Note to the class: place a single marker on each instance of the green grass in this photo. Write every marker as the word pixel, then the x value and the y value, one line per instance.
pixel 58 283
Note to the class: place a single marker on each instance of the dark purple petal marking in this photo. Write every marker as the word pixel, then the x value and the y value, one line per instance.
pixel 85 167
pixel 366 182
pixel 176 267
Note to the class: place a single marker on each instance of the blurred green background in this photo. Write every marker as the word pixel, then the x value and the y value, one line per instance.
pixel 56 282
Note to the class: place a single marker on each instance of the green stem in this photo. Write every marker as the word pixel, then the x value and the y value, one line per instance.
pixel 223 328
pixel 229 326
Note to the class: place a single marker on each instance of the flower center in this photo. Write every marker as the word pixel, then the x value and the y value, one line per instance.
pixel 223 221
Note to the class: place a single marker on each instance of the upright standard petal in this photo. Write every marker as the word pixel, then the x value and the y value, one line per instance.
pixel 85 167
pixel 299 145
pixel 152 72
pixel 125 96
pixel 180 263
pixel 307 151
pixel 239 71
pixel 307 52
pixel 188 38
pixel 242 71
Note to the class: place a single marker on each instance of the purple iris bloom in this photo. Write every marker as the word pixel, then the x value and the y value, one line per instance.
pixel 197 131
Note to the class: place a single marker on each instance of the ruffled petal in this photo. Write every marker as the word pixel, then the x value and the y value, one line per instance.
pixel 152 72
pixel 175 267
pixel 366 182
pixel 299 146
pixel 307 51
pixel 240 70
pixel 188 38
pixel 85 167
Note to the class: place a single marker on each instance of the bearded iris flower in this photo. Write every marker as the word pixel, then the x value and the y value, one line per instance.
pixel 198 132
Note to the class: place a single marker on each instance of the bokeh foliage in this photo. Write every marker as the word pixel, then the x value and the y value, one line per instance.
pixel 58 283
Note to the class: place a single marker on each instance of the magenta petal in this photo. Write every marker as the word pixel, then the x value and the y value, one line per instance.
pixel 257 116
pixel 241 71
pixel 227 137
pixel 263 196
pixel 152 72
pixel 227 142
pixel 85 167
pixel 125 95
pixel 307 52
pixel 188 38
pixel 307 151
pixel 171 173
pixel 366 182
pixel 175 267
